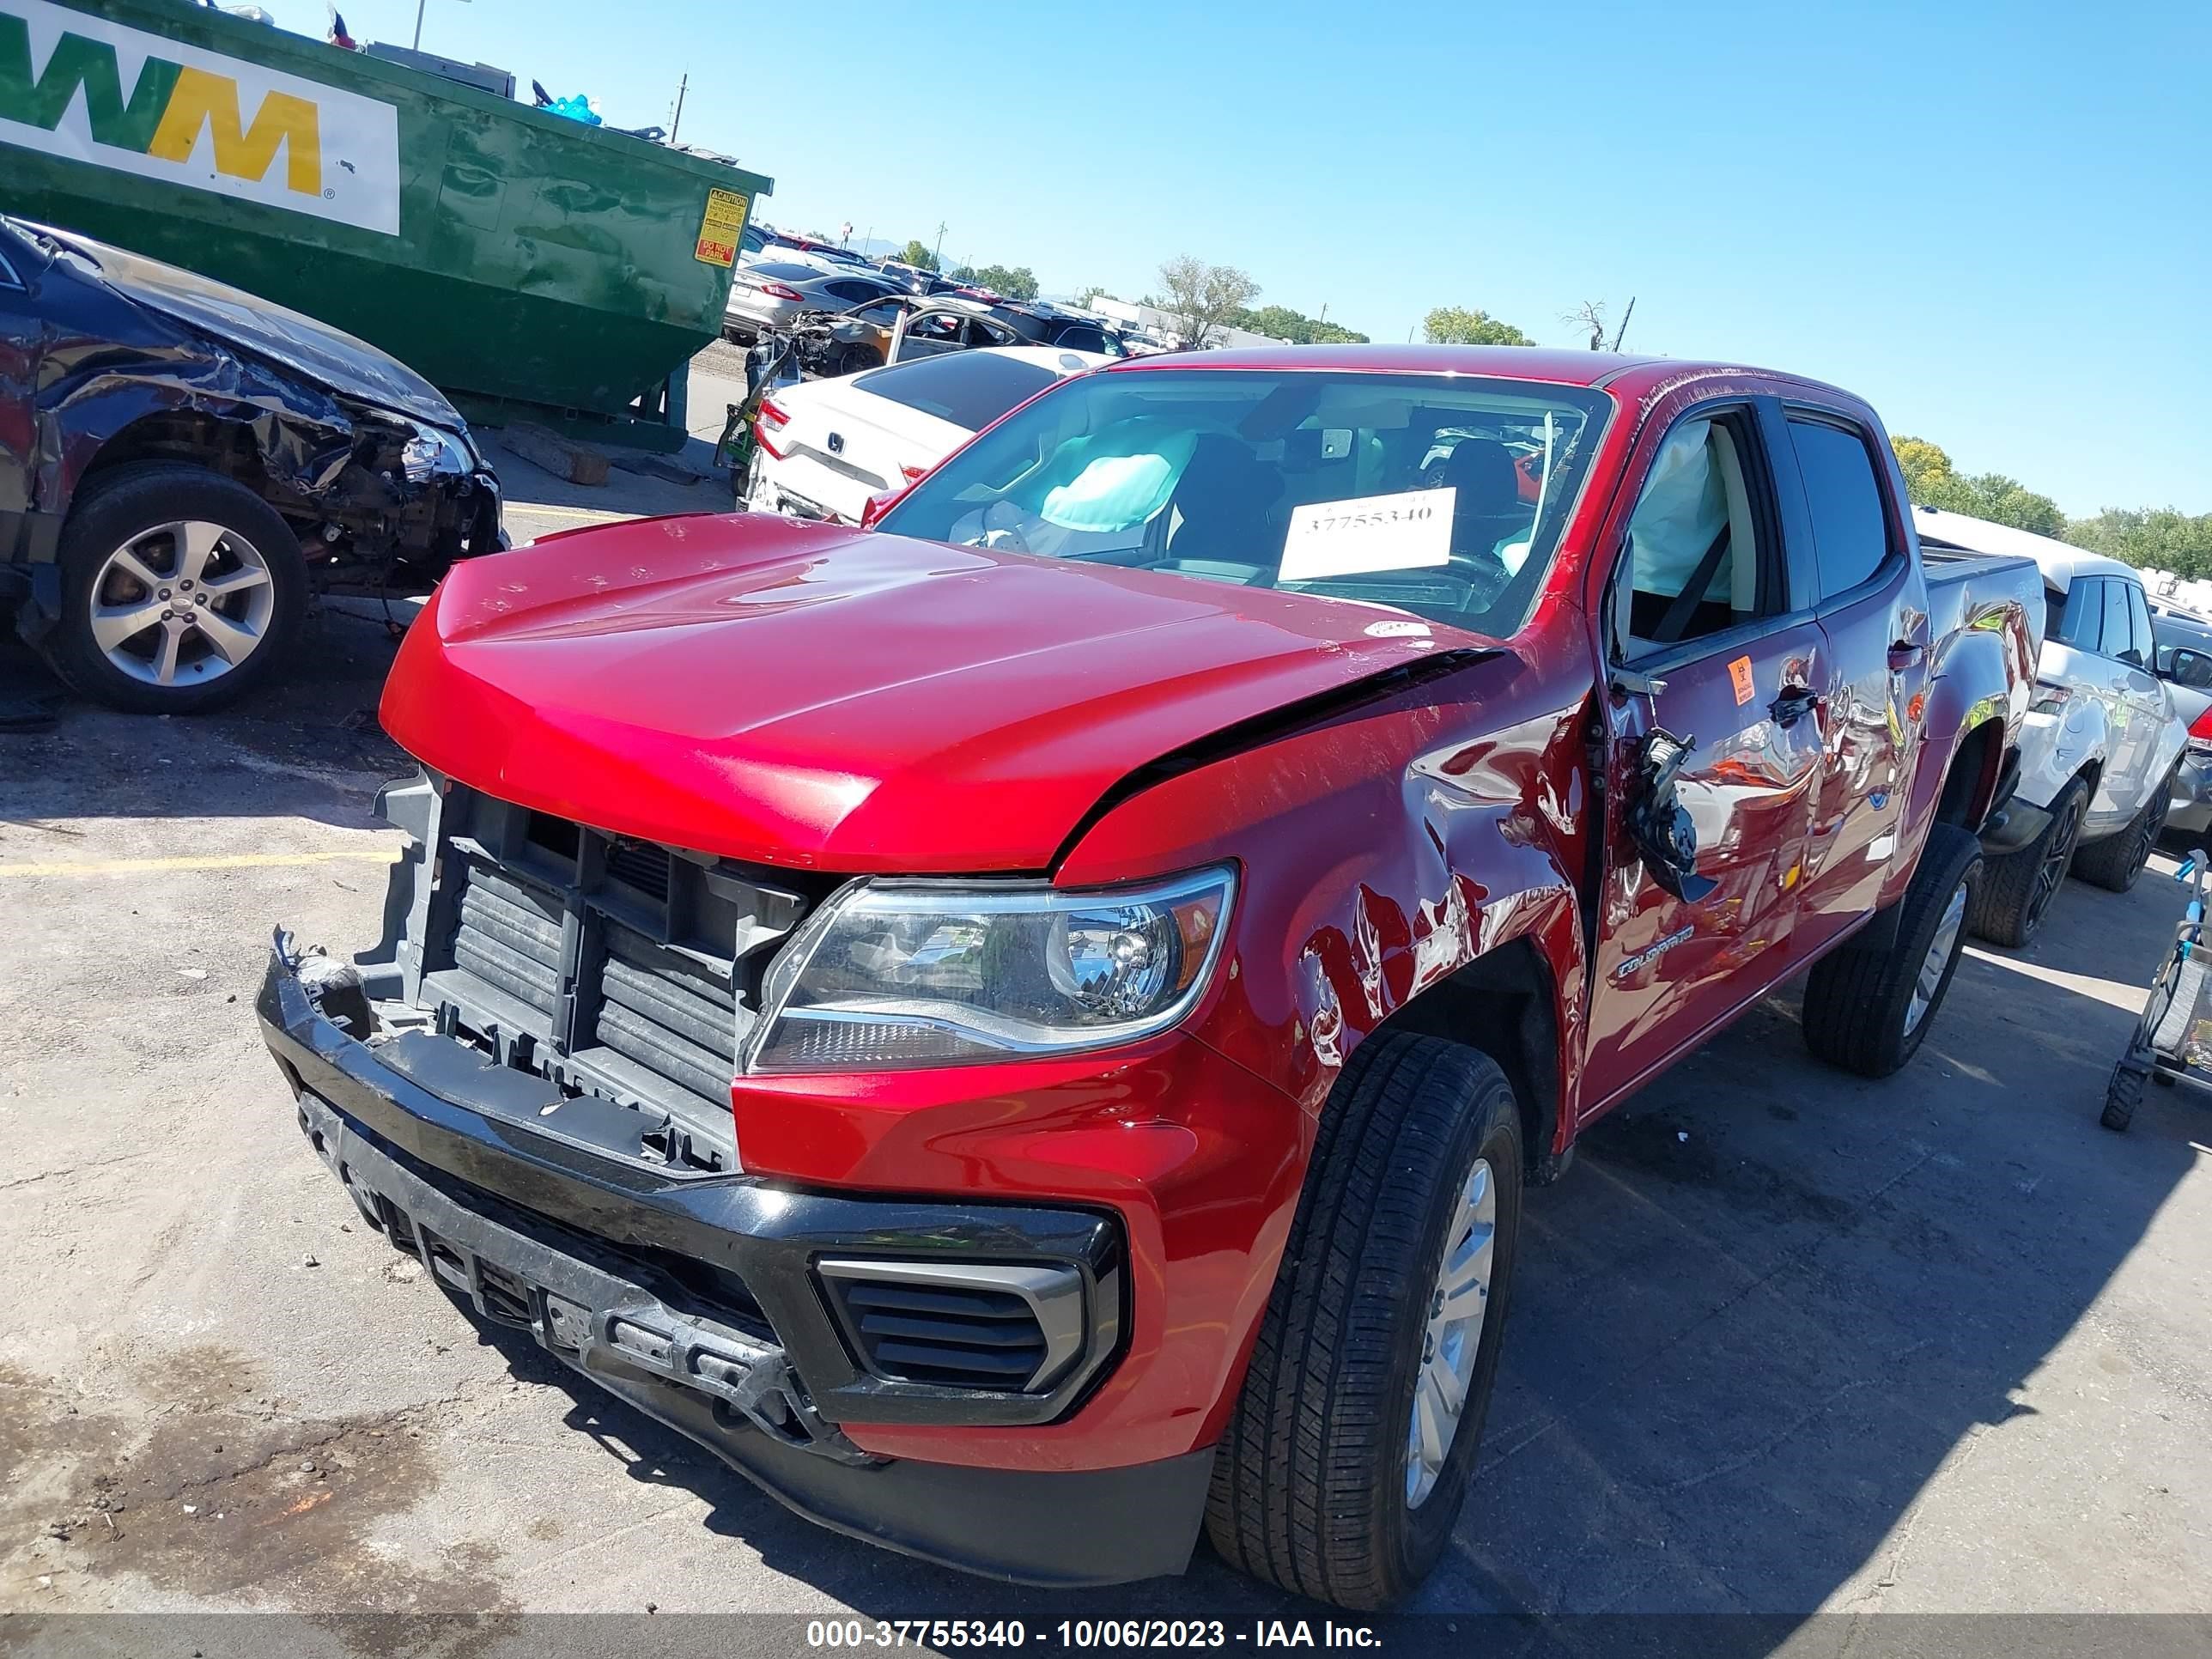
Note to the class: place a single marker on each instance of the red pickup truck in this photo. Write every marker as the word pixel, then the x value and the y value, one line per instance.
pixel 1026 1028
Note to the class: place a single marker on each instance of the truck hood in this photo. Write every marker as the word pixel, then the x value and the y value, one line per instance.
pixel 817 698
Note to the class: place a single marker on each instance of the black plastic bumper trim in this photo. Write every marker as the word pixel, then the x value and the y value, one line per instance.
pixel 468 1137
pixel 732 1394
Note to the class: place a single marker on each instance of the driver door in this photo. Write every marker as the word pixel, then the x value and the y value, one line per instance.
pixel 1708 636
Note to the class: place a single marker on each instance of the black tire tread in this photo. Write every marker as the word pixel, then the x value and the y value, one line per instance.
pixel 1290 1465
pixel 1998 910
pixel 2122 1096
pixel 1855 999
pixel 2112 863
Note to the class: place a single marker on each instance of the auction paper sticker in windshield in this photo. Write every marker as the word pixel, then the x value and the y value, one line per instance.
pixel 1409 531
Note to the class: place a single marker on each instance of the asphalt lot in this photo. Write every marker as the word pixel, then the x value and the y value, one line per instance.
pixel 1784 1341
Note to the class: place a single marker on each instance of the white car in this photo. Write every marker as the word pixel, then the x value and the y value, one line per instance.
pixel 2102 740
pixel 827 446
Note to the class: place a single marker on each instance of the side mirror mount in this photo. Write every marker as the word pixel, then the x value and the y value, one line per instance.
pixel 1665 836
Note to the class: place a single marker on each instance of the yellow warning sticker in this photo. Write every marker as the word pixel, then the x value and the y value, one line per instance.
pixel 1740 678
pixel 720 228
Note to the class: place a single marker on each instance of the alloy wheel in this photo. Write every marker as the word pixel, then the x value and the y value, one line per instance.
pixel 1457 1305
pixel 2057 856
pixel 1938 959
pixel 182 603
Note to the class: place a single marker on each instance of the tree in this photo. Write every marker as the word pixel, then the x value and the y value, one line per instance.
pixel 1018 282
pixel 2150 538
pixel 1090 296
pixel 1590 314
pixel 1931 481
pixel 913 253
pixel 1454 325
pixel 1281 322
pixel 1203 299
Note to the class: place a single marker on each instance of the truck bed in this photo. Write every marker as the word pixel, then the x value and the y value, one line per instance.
pixel 1967 589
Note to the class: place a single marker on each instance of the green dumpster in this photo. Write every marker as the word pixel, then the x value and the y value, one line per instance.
pixel 523 263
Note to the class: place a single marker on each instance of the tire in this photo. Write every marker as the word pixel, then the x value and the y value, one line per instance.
pixel 2115 862
pixel 1313 1482
pixel 1859 1010
pixel 2016 891
pixel 117 527
pixel 856 360
pixel 2122 1096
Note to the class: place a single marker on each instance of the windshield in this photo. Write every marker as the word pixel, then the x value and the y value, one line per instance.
pixel 1439 495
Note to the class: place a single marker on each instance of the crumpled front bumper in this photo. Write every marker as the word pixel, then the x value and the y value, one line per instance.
pixel 695 1297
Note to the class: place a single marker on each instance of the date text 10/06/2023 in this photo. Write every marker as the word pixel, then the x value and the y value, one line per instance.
pixel 943 1634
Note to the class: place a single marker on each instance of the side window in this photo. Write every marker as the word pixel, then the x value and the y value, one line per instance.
pixel 1697 562
pixel 2139 613
pixel 2119 627
pixel 853 292
pixel 1850 532
pixel 2081 624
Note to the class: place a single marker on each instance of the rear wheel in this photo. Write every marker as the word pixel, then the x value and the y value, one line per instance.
pixel 1347 1460
pixel 181 590
pixel 2016 890
pixel 1867 1011
pixel 2115 862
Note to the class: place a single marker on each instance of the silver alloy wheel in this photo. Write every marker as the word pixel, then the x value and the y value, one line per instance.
pixel 1937 960
pixel 182 603
pixel 1453 1332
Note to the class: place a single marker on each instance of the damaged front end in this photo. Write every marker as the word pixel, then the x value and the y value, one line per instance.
pixel 134 361
pixel 527 1088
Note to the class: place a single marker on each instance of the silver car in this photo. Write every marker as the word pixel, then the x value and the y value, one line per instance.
pixel 774 295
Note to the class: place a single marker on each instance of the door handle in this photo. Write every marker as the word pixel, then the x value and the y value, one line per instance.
pixel 1793 705
pixel 1904 654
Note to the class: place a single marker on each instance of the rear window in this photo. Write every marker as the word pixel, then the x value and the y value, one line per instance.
pixel 1851 532
pixel 967 388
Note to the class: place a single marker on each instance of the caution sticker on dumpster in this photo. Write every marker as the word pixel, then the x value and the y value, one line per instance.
pixel 720 228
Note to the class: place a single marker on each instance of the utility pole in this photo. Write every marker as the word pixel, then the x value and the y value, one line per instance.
pixel 676 121
pixel 419 6
pixel 1625 316
pixel 939 255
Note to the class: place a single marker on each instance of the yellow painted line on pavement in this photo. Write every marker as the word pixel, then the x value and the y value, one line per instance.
pixel 212 861
pixel 584 512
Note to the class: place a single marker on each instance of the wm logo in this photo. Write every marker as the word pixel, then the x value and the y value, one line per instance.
pixel 168 109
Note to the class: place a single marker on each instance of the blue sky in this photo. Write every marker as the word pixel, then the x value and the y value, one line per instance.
pixel 1993 220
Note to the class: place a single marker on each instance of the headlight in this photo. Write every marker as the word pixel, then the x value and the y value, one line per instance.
pixel 433 452
pixel 890 974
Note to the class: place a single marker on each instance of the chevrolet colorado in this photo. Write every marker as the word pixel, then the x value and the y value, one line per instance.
pixel 1026 1028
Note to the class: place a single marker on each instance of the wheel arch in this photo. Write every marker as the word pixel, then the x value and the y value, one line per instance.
pixel 1505 1004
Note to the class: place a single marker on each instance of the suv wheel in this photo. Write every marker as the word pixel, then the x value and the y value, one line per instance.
pixel 181 590
pixel 1865 1010
pixel 2115 862
pixel 1347 1456
pixel 2016 890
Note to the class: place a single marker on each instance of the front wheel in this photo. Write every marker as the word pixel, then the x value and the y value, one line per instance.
pixel 2016 890
pixel 1347 1458
pixel 1867 1011
pixel 181 590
